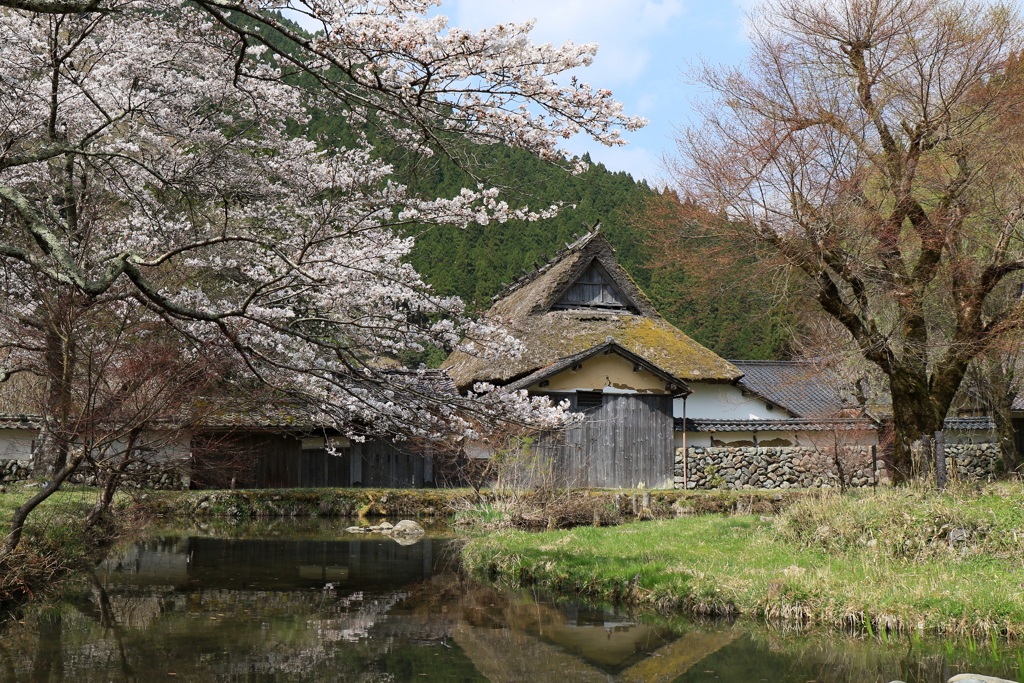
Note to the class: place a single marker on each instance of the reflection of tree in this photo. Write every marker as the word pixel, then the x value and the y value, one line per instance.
pixel 49 660
pixel 444 625
pixel 109 622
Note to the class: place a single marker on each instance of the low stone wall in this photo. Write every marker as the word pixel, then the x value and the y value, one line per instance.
pixel 12 471
pixel 774 467
pixel 143 475
pixel 973 461
pixel 785 467
pixel 157 476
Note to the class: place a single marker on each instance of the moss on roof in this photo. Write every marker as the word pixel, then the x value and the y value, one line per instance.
pixel 525 310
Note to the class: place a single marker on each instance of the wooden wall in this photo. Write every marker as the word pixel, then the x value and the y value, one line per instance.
pixel 624 442
pixel 381 463
pixel 267 460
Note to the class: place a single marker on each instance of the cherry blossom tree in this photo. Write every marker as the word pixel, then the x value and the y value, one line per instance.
pixel 145 168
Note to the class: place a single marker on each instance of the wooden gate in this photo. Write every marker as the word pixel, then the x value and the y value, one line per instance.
pixel 625 441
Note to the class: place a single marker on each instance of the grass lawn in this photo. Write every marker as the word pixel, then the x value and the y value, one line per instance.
pixel 900 559
pixel 67 506
pixel 53 541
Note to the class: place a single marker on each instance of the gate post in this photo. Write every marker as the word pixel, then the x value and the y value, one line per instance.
pixel 940 459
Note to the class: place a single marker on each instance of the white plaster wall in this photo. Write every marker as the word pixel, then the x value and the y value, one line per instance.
pixel 820 440
pixel 16 444
pixel 166 449
pixel 957 436
pixel 725 402
pixel 163 446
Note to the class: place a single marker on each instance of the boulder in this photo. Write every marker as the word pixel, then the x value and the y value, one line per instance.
pixel 977 678
pixel 407 527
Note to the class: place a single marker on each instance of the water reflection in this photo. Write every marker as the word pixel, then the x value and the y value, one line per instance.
pixel 267 606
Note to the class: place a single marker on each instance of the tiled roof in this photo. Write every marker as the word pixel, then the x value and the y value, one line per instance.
pixel 805 389
pixel 282 414
pixel 969 423
pixel 789 425
pixel 8 421
pixel 811 425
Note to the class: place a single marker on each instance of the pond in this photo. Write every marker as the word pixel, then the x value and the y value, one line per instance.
pixel 304 601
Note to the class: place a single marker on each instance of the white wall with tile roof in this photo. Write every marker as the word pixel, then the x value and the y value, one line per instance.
pixel 727 402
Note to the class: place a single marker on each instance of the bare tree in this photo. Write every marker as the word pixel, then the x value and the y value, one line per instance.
pixel 872 146
pixel 116 392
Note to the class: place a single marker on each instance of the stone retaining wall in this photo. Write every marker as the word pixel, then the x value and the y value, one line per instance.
pixel 12 471
pixel 157 476
pixel 974 460
pixel 785 467
pixel 775 467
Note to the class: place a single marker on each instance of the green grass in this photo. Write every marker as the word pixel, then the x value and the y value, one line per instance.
pixel 871 561
pixel 67 507
pixel 54 539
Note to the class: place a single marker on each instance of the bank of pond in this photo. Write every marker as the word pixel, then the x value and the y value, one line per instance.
pixel 896 584
pixel 299 600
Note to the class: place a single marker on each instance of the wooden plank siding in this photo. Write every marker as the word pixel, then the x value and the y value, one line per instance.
pixel 379 463
pixel 625 442
pixel 593 289
pixel 267 460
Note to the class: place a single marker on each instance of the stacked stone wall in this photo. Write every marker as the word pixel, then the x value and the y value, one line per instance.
pixel 974 460
pixel 785 467
pixel 12 471
pixel 144 475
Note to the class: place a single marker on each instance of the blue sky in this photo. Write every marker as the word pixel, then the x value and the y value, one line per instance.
pixel 646 47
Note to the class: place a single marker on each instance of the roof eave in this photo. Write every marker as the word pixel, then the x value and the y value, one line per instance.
pixel 608 346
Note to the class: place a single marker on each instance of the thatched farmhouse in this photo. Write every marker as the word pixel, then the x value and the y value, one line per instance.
pixel 593 338
pixel 659 410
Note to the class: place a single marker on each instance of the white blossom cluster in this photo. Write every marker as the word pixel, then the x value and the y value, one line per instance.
pixel 145 169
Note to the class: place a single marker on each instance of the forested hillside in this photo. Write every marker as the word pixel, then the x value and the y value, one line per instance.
pixel 723 314
pixel 717 308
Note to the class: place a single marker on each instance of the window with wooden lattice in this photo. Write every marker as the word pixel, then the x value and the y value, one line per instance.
pixel 593 289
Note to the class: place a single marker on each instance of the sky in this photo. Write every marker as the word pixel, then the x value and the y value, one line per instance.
pixel 646 48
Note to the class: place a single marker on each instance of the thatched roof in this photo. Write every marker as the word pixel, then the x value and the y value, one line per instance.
pixel 528 309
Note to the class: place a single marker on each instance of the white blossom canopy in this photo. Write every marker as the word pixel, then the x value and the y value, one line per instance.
pixel 144 162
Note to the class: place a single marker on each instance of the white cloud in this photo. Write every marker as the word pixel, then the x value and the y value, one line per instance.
pixel 623 28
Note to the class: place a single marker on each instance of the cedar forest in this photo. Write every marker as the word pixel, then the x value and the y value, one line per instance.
pixel 717 308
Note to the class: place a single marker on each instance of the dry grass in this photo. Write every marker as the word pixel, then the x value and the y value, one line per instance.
pixel 54 541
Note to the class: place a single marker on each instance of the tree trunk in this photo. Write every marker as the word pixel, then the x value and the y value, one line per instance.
pixel 1006 433
pixel 52 454
pixel 106 497
pixel 914 415
pixel 111 480
pixel 22 513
